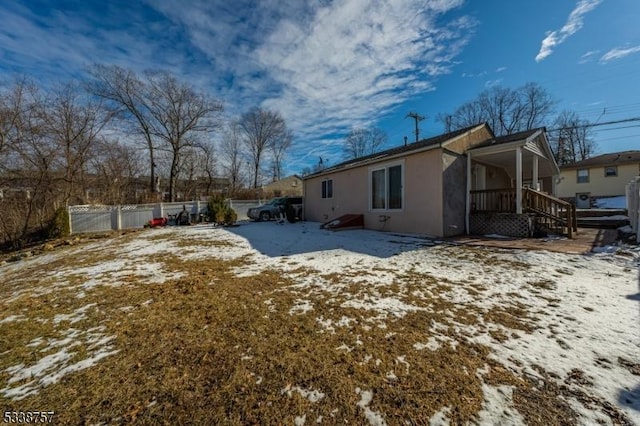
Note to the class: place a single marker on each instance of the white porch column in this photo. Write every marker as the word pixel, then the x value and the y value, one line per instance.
pixel 519 180
pixel 534 184
pixel 468 204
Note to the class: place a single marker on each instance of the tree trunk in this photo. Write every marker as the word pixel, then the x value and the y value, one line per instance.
pixel 173 178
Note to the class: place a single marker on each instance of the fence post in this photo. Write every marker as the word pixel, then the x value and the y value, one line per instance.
pixel 70 221
pixel 158 210
pixel 116 219
pixel 633 205
pixel 636 207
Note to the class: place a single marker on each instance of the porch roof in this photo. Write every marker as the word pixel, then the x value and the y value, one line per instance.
pixel 501 152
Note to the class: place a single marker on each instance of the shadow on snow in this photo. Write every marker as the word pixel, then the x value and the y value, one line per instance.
pixel 274 240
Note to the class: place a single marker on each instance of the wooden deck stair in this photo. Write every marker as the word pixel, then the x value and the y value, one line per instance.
pixel 551 213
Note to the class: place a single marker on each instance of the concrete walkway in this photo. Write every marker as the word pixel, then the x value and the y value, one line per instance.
pixel 585 240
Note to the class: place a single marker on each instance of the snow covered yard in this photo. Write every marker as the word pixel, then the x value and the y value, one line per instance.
pixel 290 324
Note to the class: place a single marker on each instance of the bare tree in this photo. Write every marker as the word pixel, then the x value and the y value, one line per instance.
pixel 13 101
pixel 207 166
pixel 538 105
pixel 506 110
pixel 261 128
pixel 180 116
pixel 29 165
pixel 571 138
pixel 171 115
pixel 116 166
pixel 363 141
pixel 125 92
pixel 279 149
pixel 231 150
pixel 72 122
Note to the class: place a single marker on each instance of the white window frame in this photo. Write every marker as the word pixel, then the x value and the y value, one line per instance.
pixel 324 189
pixel 615 171
pixel 386 168
pixel 587 176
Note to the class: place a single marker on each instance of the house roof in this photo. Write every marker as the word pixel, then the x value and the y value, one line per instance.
pixel 404 149
pixel 525 134
pixel 610 159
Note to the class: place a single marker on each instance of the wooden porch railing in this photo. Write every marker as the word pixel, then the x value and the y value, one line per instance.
pixel 494 200
pixel 550 212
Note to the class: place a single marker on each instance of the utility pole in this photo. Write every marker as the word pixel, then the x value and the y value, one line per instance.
pixel 417 119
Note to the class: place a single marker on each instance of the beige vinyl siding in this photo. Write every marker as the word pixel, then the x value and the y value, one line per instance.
pixel 598 185
pixel 421 210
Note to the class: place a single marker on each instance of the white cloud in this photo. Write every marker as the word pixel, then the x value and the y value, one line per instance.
pixel 618 53
pixel 588 56
pixel 325 65
pixel 501 69
pixel 491 83
pixel 572 26
pixel 355 60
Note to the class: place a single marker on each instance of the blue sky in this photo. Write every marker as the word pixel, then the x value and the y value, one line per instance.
pixel 328 65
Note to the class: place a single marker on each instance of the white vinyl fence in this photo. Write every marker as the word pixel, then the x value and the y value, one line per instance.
pixel 241 207
pixel 633 205
pixel 90 218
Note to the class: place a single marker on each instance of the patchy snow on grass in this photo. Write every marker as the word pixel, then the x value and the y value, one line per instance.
pixel 313 395
pixel 75 316
pixel 13 318
pixel 581 305
pixel 496 408
pixel 582 310
pixel 374 418
pixel 432 344
pixel 440 418
pixel 301 307
pixel 29 379
pixel 384 305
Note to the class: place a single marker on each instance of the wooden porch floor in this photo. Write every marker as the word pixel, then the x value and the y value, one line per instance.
pixel 583 241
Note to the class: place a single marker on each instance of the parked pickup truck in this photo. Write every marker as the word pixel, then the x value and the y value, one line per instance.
pixel 291 207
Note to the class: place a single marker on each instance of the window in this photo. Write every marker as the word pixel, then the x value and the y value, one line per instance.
pixel 327 188
pixel 395 187
pixel 583 175
pixel 386 188
pixel 611 171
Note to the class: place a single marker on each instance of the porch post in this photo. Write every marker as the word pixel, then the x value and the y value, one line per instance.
pixel 468 203
pixel 534 184
pixel 519 180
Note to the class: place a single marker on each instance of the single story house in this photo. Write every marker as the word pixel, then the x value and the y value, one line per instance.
pixel 467 180
pixel 287 186
pixel 605 175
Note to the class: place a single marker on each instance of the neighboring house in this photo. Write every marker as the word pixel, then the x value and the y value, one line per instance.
pixel 288 186
pixel 603 176
pixel 464 181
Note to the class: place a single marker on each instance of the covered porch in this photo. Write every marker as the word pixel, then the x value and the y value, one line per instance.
pixel 511 186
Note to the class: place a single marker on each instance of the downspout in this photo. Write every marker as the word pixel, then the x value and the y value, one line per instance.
pixel 468 201
pixel 519 180
pixel 534 178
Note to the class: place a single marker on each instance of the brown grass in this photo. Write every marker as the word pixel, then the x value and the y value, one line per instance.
pixel 215 348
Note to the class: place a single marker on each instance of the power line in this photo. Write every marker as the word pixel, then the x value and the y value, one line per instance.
pixel 625 120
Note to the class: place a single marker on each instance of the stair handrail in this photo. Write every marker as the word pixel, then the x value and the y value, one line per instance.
pixel 560 211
